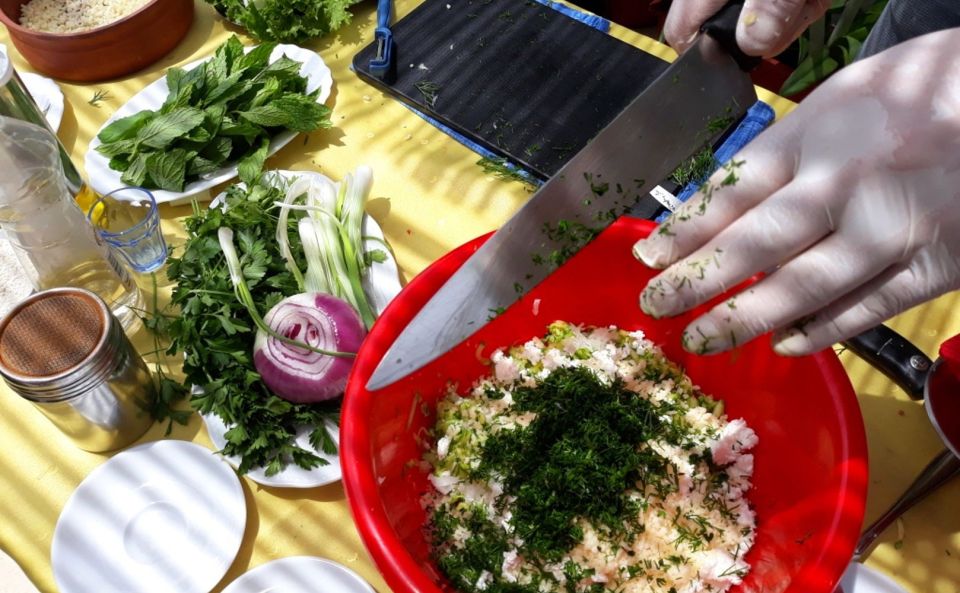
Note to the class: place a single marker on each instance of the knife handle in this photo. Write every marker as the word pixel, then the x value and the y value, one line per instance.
pixel 723 27
pixel 894 356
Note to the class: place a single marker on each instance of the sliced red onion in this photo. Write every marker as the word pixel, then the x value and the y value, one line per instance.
pixel 321 321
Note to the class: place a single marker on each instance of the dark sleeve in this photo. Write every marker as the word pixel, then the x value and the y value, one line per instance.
pixel 905 19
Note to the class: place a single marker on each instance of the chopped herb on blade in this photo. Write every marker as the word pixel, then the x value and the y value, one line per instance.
pixel 224 111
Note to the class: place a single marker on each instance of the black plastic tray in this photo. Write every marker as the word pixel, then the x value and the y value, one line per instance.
pixel 517 77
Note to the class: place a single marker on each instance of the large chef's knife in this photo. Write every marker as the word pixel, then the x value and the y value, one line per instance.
pixel 678 114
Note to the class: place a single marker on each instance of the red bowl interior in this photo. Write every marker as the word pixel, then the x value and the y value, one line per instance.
pixel 810 475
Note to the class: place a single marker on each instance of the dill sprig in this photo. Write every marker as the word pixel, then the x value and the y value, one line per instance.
pixel 98 96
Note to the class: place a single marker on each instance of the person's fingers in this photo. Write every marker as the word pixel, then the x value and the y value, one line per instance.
pixel 822 274
pixel 684 20
pixel 767 27
pixel 762 168
pixel 927 275
pixel 780 227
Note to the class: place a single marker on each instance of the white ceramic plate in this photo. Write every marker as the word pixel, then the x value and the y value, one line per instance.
pixel 300 574
pixel 48 96
pixel 104 179
pixel 163 517
pixel 45 92
pixel 381 283
pixel 860 578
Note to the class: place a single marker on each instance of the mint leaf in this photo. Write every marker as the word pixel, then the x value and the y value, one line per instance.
pixel 163 130
pixel 125 127
pixel 249 167
pixel 136 173
pixel 257 58
pixel 266 115
pixel 201 166
pixel 117 148
pixel 168 169
pixel 304 114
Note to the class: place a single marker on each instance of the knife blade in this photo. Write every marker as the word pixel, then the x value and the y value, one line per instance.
pixel 667 123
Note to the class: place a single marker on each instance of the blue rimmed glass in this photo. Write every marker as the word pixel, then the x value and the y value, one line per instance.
pixel 128 221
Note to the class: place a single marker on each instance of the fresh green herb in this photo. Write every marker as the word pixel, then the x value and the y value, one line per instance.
pixel 429 90
pixel 98 96
pixel 169 391
pixel 214 335
pixel 224 111
pixel 695 169
pixel 569 236
pixel 503 169
pixel 286 21
pixel 583 444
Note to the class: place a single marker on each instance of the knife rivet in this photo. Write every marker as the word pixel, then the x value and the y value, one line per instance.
pixel 919 363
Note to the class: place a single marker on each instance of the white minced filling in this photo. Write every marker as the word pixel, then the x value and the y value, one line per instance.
pixel 73 16
pixel 659 560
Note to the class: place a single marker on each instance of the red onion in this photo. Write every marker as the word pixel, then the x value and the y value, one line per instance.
pixel 321 321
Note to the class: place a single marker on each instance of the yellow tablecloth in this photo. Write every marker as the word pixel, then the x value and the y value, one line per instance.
pixel 429 196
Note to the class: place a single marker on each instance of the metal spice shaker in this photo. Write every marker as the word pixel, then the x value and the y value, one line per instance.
pixel 63 350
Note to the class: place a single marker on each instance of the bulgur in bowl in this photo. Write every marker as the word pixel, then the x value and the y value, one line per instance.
pixel 127 35
pixel 809 466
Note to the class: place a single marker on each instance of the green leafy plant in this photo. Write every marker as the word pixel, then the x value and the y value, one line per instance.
pixel 832 42
pixel 224 111
pixel 286 21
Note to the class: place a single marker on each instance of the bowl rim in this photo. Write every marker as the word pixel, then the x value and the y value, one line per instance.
pixel 404 574
pixel 13 25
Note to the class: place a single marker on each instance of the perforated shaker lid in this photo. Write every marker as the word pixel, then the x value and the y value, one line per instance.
pixel 50 333
pixel 6 68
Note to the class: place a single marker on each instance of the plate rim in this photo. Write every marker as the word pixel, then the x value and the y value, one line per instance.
pixel 363 585
pixel 56 540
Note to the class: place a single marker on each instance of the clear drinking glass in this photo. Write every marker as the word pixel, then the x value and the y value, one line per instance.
pixel 127 220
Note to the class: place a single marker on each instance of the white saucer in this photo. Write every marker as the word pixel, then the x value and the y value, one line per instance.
pixel 863 579
pixel 300 574
pixel 163 517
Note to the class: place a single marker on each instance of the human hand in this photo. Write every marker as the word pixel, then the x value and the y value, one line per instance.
pixel 765 28
pixel 855 196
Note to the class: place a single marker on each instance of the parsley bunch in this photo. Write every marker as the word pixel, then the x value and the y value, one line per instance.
pixel 223 111
pixel 215 334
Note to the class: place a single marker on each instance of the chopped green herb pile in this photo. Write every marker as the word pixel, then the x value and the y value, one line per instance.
pixel 286 21
pixel 223 111
pixel 588 463
pixel 577 459
pixel 215 335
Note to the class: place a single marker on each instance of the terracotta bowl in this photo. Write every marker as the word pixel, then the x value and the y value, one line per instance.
pixel 111 51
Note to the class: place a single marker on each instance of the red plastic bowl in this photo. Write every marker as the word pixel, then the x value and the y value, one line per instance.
pixel 810 475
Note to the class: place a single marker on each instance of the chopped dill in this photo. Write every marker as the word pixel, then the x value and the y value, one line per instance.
pixel 695 169
pixel 503 169
pixel 430 91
